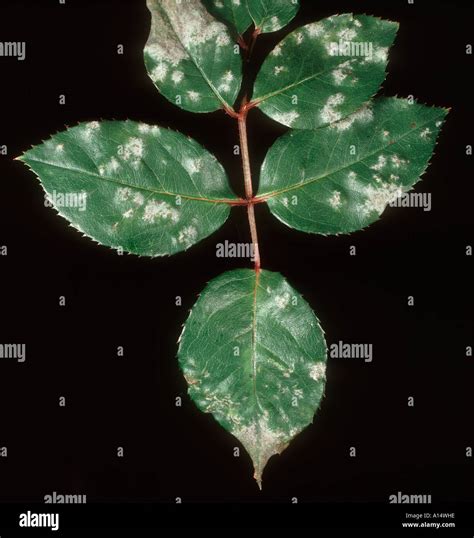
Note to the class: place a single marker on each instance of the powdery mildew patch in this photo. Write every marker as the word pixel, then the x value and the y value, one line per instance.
pixel 329 113
pixel 159 210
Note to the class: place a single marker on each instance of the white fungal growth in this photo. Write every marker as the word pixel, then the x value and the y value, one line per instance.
pixel 363 115
pixel 329 114
pixel 160 210
pixel 274 24
pixel 425 133
pixel 219 4
pixel 298 37
pixel 277 50
pixel 60 147
pixel 352 176
pixel 126 194
pixel 439 123
pixel 132 151
pixel 159 72
pixel 192 166
pixel 177 76
pixel 89 129
pixel 315 29
pixel 194 96
pixel 397 161
pixel 284 201
pixel 236 2
pixel 317 371
pixel 379 56
pixel 394 177
pixel 335 200
pixel 188 235
pixel 128 214
pixel 282 300
pixel 378 198
pixel 381 163
pixel 144 128
pixel 348 34
pixel 286 118
pixel 261 442
pixel 279 69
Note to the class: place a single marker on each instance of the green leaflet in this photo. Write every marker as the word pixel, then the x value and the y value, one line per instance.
pixel 324 71
pixel 233 12
pixel 253 354
pixel 191 57
pixel 271 15
pixel 314 182
pixel 148 190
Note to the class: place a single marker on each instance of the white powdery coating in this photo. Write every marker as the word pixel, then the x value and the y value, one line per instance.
pixel 274 24
pixel 315 29
pixel 194 96
pixel 159 72
pixel 277 50
pixel 195 26
pixel 379 56
pixel 261 442
pixel 132 150
pixel 128 214
pixel 348 34
pixel 363 115
pixel 187 235
pixel 177 76
pixel 161 211
pixel 126 194
pixel 298 37
pixel 109 167
pixel 328 113
pixel 335 200
pixel 279 69
pixel 286 118
pixel 89 129
pixel 425 133
pixel 381 163
pixel 144 128
pixel 378 198
pixel 283 300
pixel 317 371
pixel 60 147
pixel 192 166
pixel 397 161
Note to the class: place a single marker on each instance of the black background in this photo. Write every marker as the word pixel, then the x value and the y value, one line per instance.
pixel 129 301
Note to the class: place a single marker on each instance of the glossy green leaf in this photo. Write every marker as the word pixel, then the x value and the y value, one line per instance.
pixel 253 354
pixel 324 71
pixel 340 178
pixel 271 15
pixel 147 190
pixel 233 12
pixel 191 57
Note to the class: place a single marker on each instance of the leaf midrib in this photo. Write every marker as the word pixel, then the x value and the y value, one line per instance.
pixel 131 186
pixel 272 194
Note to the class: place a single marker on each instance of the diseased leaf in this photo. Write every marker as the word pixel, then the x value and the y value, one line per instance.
pixel 253 354
pixel 271 15
pixel 190 56
pixel 340 178
pixel 324 71
pixel 233 12
pixel 147 190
